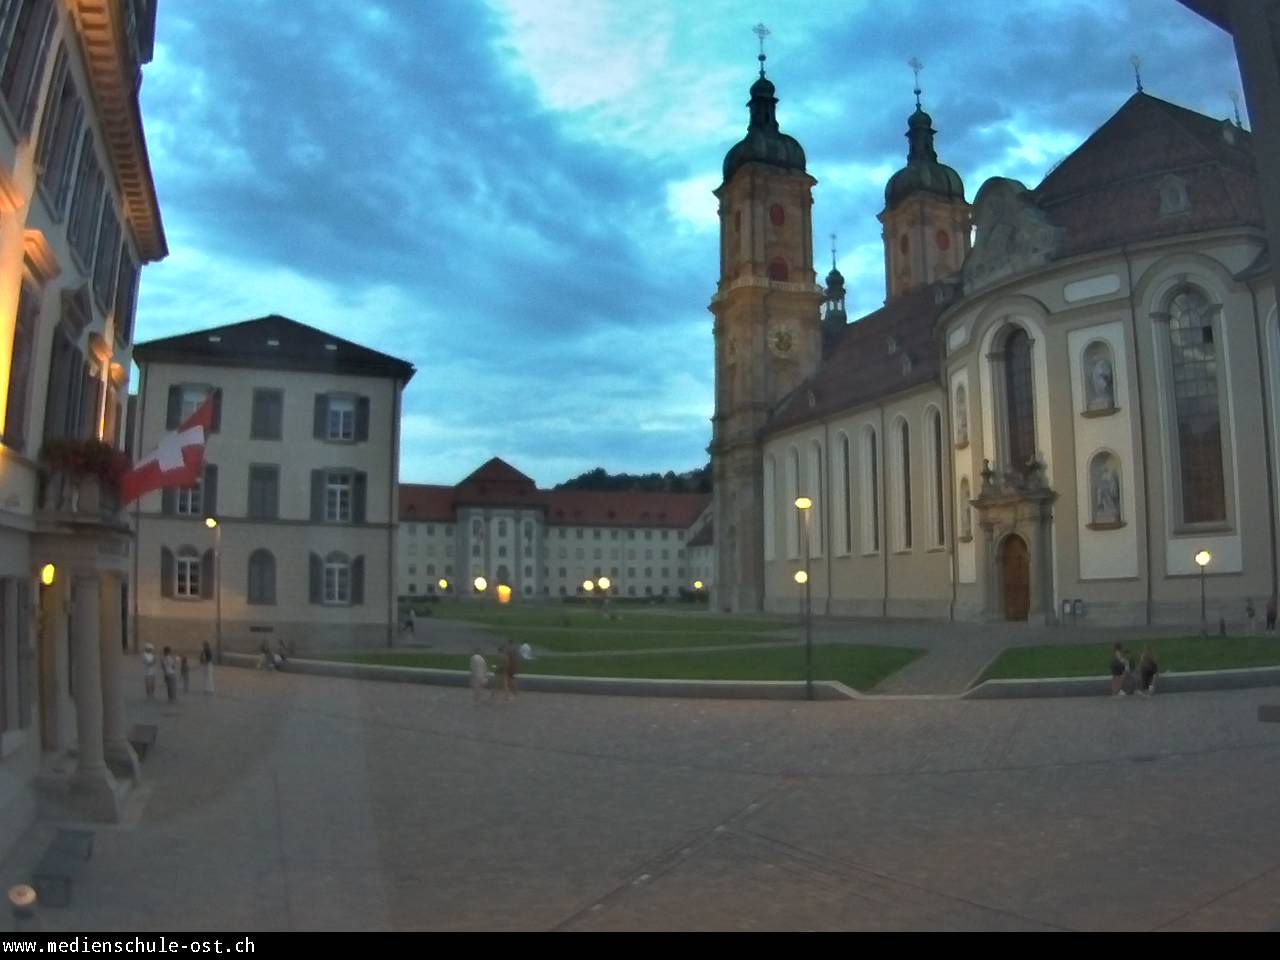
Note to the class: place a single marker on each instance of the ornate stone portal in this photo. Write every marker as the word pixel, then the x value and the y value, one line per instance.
pixel 1015 513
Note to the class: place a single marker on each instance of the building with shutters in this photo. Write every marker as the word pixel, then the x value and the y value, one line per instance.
pixel 301 474
pixel 543 544
pixel 78 218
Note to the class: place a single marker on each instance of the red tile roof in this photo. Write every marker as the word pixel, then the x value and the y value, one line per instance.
pixel 1106 193
pixel 499 484
pixel 862 367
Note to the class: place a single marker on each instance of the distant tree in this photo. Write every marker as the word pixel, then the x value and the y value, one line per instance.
pixel 692 481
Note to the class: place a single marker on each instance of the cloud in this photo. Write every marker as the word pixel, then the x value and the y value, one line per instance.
pixel 516 195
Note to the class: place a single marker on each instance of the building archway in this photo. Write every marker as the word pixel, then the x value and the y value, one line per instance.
pixel 1015 568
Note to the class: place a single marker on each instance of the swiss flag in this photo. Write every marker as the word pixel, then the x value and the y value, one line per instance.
pixel 176 462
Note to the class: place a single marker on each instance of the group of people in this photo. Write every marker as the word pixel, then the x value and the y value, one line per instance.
pixel 1250 613
pixel 503 675
pixel 1128 677
pixel 173 666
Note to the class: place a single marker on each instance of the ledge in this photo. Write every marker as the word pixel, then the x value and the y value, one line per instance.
pixel 1109 525
pixel 1100 412
pixel 1242 679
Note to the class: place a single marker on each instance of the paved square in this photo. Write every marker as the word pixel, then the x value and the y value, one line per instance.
pixel 291 802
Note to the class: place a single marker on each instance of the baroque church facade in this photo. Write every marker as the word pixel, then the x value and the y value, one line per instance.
pixel 1070 392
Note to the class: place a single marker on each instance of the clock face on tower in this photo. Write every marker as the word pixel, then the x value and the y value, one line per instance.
pixel 782 340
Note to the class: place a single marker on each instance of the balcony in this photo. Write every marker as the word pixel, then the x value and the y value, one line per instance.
pixel 79 484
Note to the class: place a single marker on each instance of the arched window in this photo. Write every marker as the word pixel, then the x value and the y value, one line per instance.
pixel 846 497
pixel 966 510
pixel 1194 357
pixel 770 505
pixel 937 501
pixel 1104 490
pixel 870 491
pixel 962 417
pixel 903 512
pixel 815 493
pixel 1019 386
pixel 337 578
pixel 262 577
pixel 793 491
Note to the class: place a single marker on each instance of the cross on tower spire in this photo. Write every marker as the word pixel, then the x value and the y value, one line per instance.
pixel 1235 101
pixel 916 66
pixel 833 251
pixel 1137 70
pixel 761 31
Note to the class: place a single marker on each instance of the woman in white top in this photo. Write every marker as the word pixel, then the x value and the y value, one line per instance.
pixel 479 673
pixel 149 670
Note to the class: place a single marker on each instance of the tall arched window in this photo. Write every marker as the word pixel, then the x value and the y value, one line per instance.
pixel 793 491
pixel 816 520
pixel 1194 356
pixel 770 505
pixel 870 491
pixel 1019 399
pixel 903 512
pixel 937 517
pixel 846 496
pixel 262 577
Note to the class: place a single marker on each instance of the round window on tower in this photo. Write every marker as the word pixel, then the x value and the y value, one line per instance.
pixel 943 239
pixel 904 243
pixel 777 216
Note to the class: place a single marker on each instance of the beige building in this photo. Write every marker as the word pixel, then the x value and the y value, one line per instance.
pixel 1055 411
pixel 498 525
pixel 78 218
pixel 300 474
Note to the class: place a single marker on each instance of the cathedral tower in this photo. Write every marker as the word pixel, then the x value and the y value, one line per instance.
pixel 925 218
pixel 768 337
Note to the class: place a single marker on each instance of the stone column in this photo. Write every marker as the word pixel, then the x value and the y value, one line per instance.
pixel 93 786
pixel 1045 534
pixel 991 565
pixel 119 754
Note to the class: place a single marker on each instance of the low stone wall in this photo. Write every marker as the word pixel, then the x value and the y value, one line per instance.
pixel 1101 686
pixel 606 686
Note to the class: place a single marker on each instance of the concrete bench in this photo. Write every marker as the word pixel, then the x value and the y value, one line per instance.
pixel 61 863
pixel 142 738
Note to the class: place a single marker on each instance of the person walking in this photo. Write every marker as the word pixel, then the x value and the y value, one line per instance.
pixel 526 652
pixel 149 670
pixel 206 666
pixel 512 668
pixel 1250 615
pixel 1271 614
pixel 479 673
pixel 413 624
pixel 186 673
pixel 169 664
pixel 1148 670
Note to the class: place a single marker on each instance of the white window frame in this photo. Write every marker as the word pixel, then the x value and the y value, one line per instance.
pixel 337 581
pixel 189 501
pixel 336 483
pixel 186 574
pixel 340 420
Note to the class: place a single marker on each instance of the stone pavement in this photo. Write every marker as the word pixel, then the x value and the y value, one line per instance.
pixel 292 802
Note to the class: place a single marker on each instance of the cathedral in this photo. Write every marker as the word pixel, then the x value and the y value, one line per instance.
pixel 1066 407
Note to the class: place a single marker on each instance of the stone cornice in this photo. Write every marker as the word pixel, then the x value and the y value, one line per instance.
pixel 44 263
pixel 103 43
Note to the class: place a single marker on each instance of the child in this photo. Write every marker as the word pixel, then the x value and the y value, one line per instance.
pixel 149 670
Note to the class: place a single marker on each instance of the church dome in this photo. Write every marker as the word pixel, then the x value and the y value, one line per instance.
pixel 923 173
pixel 764 142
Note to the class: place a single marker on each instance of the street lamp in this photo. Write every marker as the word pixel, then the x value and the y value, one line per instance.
pixel 1203 559
pixel 697 585
pixel 805 506
pixel 588 586
pixel 212 523
pixel 481 584
pixel 443 584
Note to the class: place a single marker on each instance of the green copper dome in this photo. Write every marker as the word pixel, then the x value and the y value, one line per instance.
pixel 764 142
pixel 923 172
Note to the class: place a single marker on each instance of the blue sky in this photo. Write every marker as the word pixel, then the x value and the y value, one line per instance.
pixel 515 195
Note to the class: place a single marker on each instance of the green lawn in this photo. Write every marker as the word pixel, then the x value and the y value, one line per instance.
pixel 1178 654
pixel 860 667
pixel 587 639
pixel 629 618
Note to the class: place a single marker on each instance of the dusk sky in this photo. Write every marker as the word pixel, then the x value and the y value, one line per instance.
pixel 515 195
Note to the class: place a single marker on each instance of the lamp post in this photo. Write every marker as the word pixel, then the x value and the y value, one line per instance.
pixel 481 584
pixel 805 506
pixel 1203 559
pixel 213 524
pixel 603 584
pixel 443 584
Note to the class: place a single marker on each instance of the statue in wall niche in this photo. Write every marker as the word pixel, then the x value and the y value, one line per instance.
pixel 962 418
pixel 1106 498
pixel 1102 394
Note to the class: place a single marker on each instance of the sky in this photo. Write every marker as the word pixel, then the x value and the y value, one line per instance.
pixel 515 195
